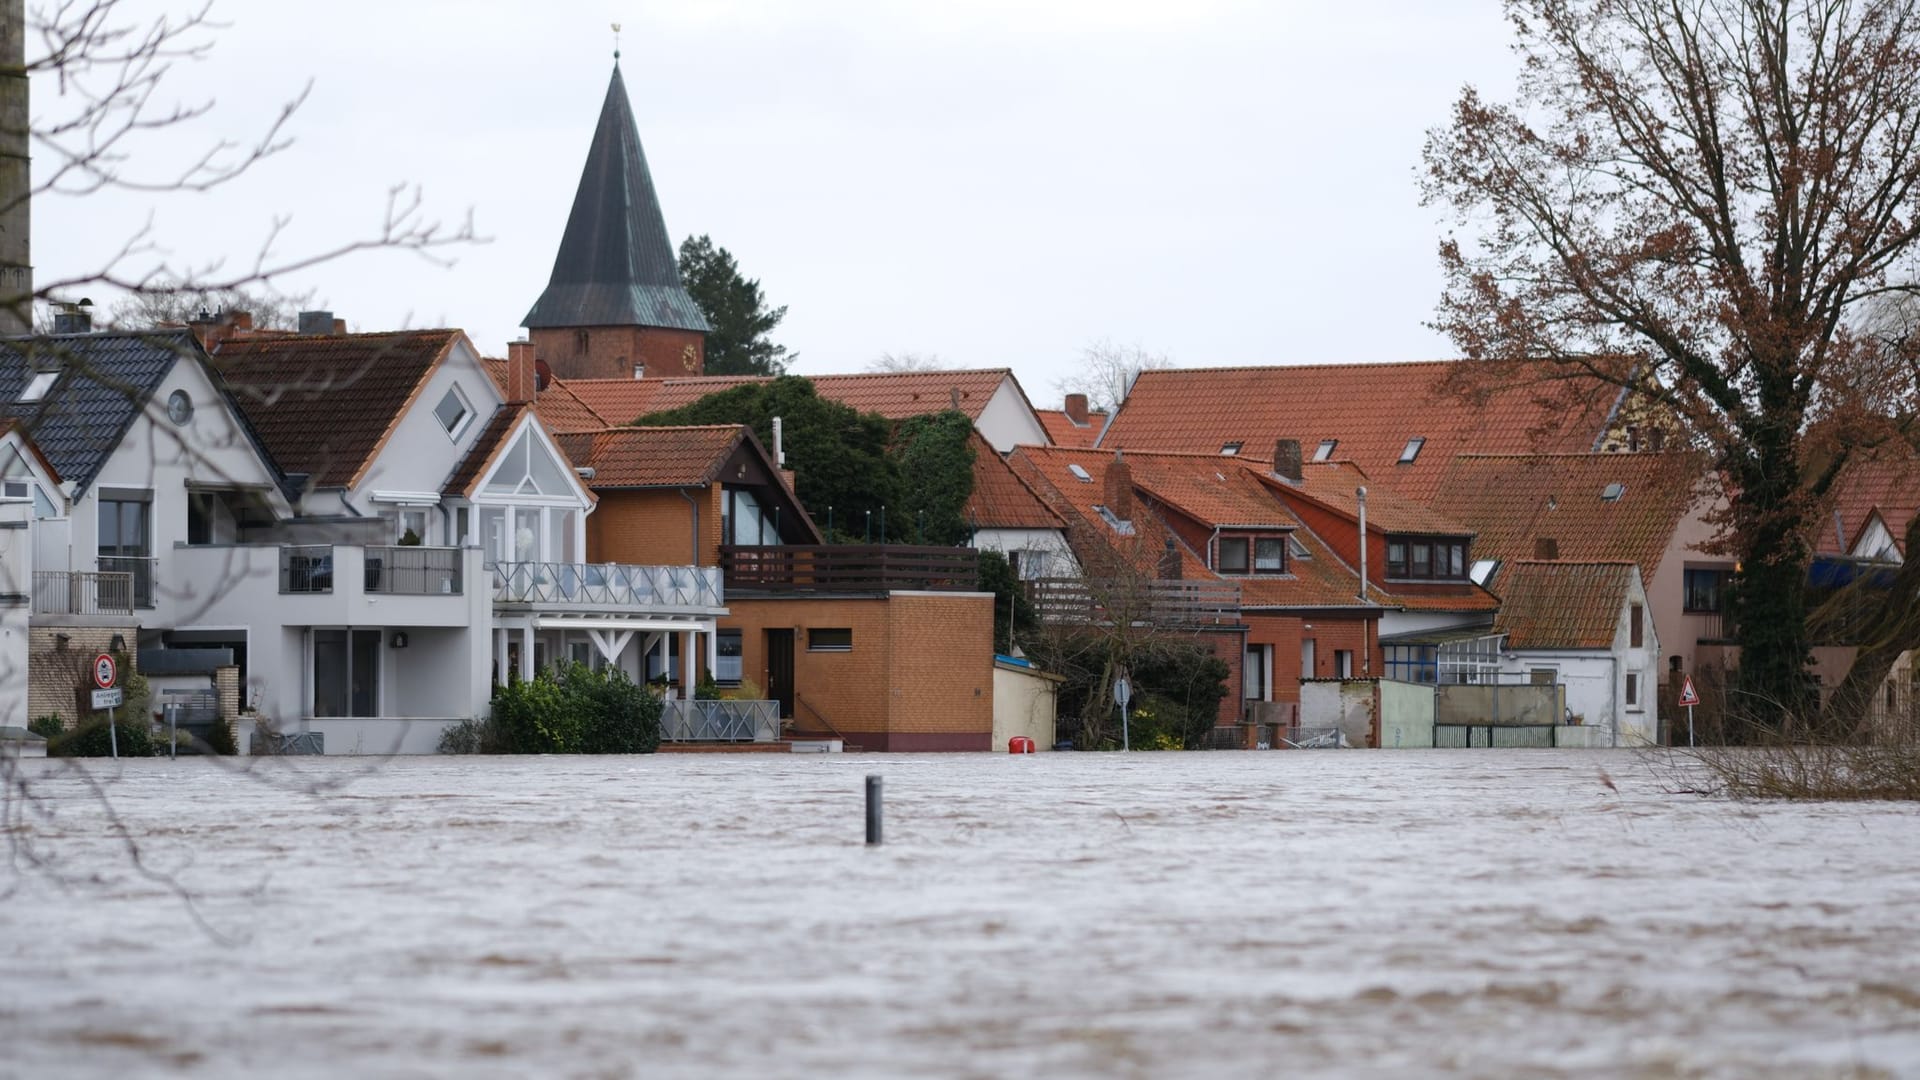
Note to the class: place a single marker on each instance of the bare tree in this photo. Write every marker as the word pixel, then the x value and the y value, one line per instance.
pixel 895 362
pixel 168 303
pixel 1106 372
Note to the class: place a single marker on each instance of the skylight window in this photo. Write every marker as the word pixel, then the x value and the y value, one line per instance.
pixel 1298 549
pixel 1230 449
pixel 1325 453
pixel 1119 525
pixel 1413 449
pixel 1614 491
pixel 1483 570
pixel 38 386
pixel 1080 474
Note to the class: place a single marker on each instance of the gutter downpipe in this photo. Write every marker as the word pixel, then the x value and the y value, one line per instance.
pixel 1366 661
pixel 1213 545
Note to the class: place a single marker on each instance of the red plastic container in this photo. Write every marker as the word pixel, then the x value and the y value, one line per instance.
pixel 1019 744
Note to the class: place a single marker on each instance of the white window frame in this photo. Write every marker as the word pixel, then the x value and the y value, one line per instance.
pixel 458 427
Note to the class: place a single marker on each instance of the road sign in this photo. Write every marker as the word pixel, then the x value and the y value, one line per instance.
pixel 1688 695
pixel 109 699
pixel 1122 691
pixel 104 671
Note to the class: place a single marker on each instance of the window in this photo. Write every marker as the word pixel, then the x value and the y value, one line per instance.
pixel 402 521
pixel 1230 449
pixel 1427 560
pixel 126 540
pixel 820 639
pixel 1413 449
pixel 38 386
pixel 1080 474
pixel 1633 438
pixel 1636 620
pixel 1343 663
pixel 727 662
pixel 1396 558
pixel 1706 590
pixel 1233 555
pixel 1420 560
pixel 1270 555
pixel 346 672
pixel 1325 452
pixel 1633 688
pixel 1296 549
pixel 1119 525
pixel 1613 491
pixel 1483 570
pixel 453 412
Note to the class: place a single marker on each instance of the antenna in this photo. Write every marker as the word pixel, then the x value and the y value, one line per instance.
pixel 616 42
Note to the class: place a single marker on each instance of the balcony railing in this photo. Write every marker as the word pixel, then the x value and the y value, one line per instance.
pixel 140 568
pixel 306 568
pixel 850 568
pixel 1161 603
pixel 413 571
pixel 60 592
pixel 614 585
pixel 720 721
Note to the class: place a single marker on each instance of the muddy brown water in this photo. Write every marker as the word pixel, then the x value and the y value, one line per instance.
pixel 1346 914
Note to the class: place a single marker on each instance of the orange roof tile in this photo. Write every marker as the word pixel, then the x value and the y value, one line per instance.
pixel 560 408
pixel 1886 480
pixel 1064 432
pixel 1561 605
pixel 489 444
pixel 643 457
pixel 1336 485
pixel 1000 499
pixel 894 395
pixel 324 404
pixel 1513 500
pixel 1214 490
pixel 1372 411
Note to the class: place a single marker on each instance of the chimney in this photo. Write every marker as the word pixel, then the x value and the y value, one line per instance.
pixel 1169 569
pixel 953 399
pixel 522 374
pixel 1076 409
pixel 315 323
pixel 1546 548
pixel 1286 459
pixel 339 326
pixel 1119 488
pixel 73 318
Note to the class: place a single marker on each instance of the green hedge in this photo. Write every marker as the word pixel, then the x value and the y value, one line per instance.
pixel 575 710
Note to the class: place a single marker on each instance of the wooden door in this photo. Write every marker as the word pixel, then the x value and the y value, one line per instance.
pixel 780 670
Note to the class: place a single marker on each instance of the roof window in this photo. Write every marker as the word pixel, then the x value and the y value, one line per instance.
pixel 1120 525
pixel 1297 549
pixel 1614 491
pixel 1230 449
pixel 38 386
pixel 1413 449
pixel 1080 474
pixel 1325 453
pixel 1482 570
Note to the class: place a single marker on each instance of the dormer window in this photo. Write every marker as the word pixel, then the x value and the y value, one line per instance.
pixel 454 413
pixel 1422 559
pixel 38 386
pixel 1325 452
pixel 1412 449
pixel 1251 554
pixel 1230 449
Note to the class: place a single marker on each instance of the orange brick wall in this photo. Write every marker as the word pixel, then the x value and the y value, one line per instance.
pixel 1284 633
pixel 652 527
pixel 941 692
pixel 612 351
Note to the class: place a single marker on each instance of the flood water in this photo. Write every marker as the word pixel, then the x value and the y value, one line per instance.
pixel 1349 914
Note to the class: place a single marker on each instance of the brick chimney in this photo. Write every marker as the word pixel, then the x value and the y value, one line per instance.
pixel 523 379
pixel 1076 409
pixel 1119 488
pixel 1286 459
pixel 1546 548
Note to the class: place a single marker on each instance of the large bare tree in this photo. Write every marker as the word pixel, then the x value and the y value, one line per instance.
pixel 1709 188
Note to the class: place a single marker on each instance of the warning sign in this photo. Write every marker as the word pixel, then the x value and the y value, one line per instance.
pixel 1688 695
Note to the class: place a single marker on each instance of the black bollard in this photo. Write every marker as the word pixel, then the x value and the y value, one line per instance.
pixel 873 810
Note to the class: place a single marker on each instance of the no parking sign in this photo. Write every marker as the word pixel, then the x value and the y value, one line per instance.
pixel 104 671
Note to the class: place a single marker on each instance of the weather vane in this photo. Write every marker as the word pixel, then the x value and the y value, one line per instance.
pixel 616 41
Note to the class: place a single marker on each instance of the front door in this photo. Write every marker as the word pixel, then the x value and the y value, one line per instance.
pixel 780 670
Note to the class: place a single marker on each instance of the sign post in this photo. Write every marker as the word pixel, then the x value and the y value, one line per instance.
pixel 1123 693
pixel 104 674
pixel 1689 697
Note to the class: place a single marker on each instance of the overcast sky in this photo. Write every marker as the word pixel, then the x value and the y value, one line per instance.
pixel 996 182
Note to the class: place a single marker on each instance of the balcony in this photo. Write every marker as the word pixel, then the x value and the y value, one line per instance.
pixel 140 568
pixel 849 568
pixel 609 586
pixel 1159 603
pixel 60 592
pixel 388 571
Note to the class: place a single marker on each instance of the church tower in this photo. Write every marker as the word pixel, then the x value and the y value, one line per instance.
pixel 615 305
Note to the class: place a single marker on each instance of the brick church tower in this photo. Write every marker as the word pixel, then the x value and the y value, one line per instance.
pixel 615 305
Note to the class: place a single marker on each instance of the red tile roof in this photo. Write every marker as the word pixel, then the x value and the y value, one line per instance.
pixel 325 404
pixel 1372 410
pixel 1561 605
pixel 1065 432
pixel 648 457
pixel 1886 480
pixel 560 409
pixel 1336 485
pixel 895 395
pixel 1510 501
pixel 1001 499
pixel 1218 491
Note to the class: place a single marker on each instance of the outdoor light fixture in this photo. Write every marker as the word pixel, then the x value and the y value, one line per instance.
pixel 400 639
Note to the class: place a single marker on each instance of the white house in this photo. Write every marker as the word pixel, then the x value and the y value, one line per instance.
pixel 1586 626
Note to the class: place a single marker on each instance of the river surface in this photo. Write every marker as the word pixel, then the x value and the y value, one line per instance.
pixel 1346 914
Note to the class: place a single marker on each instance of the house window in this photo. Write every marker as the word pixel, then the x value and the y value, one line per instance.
pixel 346 672
pixel 1396 558
pixel 1633 688
pixel 727 661
pixel 1325 452
pixel 1080 474
pixel 1633 438
pixel 126 540
pixel 1412 449
pixel 453 412
pixel 1230 449
pixel 38 386
pixel 821 639
pixel 1636 631
pixel 1343 663
pixel 403 521
pixel 1427 560
pixel 1420 560
pixel 1270 555
pixel 1612 492
pixel 1706 590
pixel 1233 555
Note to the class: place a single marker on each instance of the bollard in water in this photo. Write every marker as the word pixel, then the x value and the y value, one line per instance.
pixel 873 810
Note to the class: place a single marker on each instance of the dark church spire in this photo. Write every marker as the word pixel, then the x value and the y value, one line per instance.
pixel 616 265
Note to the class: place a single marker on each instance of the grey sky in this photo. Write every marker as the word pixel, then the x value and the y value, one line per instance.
pixel 996 182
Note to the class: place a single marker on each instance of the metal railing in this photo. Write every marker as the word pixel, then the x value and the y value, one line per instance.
pixel 720 721
pixel 1164 603
pixel 140 568
pixel 850 568
pixel 414 571
pixel 76 592
pixel 306 568
pixel 607 585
